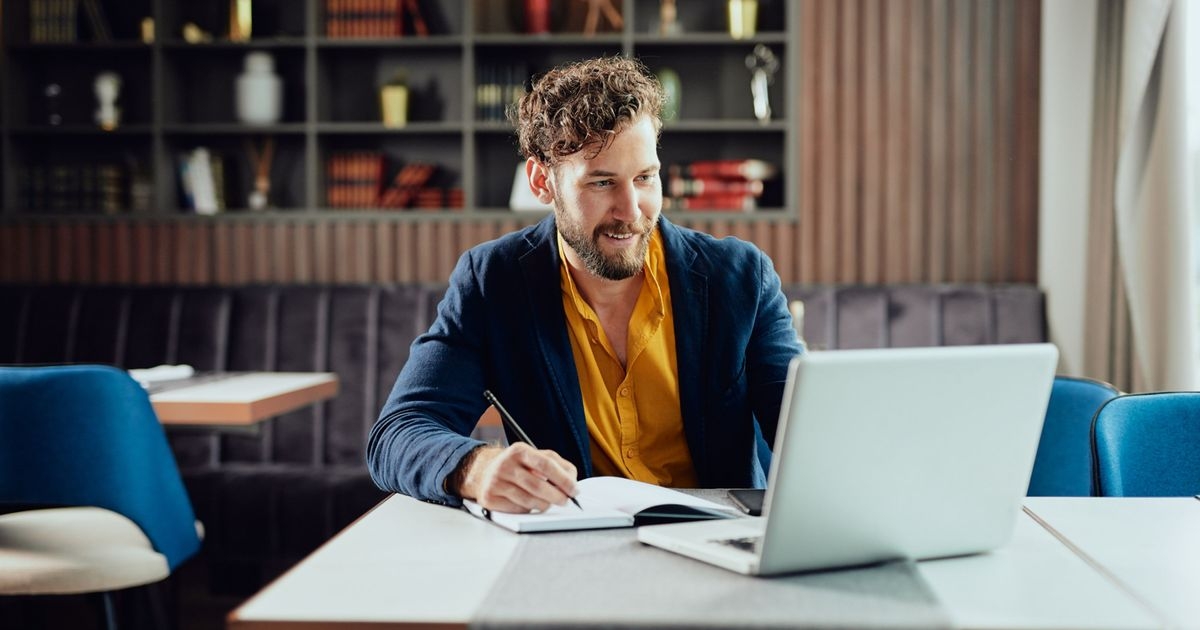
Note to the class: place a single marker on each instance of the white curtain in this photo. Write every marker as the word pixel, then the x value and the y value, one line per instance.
pixel 1135 324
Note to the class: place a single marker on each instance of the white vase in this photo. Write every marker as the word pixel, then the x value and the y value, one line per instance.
pixel 259 91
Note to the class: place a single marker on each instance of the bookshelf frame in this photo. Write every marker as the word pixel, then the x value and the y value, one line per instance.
pixel 309 133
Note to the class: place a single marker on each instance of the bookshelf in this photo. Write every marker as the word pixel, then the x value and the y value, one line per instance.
pixel 176 96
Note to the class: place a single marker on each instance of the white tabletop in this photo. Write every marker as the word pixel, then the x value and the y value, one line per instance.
pixel 409 563
pixel 1033 582
pixel 243 398
pixel 404 563
pixel 1150 546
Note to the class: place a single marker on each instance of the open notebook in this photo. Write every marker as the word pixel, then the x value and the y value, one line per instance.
pixel 610 502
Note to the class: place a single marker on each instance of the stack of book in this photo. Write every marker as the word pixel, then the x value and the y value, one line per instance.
pixel 728 185
pixel 354 179
pixel 497 88
pixel 63 188
pixel 408 186
pixel 373 18
pixel 53 20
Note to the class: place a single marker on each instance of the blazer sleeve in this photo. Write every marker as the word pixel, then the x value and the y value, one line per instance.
pixel 773 344
pixel 422 431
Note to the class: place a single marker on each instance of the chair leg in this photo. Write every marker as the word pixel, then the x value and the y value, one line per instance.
pixel 108 611
pixel 158 612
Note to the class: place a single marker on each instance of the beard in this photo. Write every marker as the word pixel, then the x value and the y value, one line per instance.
pixel 623 264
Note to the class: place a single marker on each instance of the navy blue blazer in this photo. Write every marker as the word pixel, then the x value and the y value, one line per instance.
pixel 501 327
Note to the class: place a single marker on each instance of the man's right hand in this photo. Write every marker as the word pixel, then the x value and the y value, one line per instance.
pixel 518 478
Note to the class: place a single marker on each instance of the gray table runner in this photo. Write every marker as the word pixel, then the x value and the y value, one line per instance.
pixel 605 578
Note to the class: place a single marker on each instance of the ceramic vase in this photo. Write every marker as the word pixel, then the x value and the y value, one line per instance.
pixel 259 91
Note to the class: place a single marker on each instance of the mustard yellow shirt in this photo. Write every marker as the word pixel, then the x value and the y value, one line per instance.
pixel 633 416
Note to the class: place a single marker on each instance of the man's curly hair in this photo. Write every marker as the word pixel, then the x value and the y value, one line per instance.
pixel 584 104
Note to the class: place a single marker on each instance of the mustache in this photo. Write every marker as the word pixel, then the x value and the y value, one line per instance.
pixel 637 228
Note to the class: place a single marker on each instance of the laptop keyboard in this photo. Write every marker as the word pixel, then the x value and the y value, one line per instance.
pixel 747 543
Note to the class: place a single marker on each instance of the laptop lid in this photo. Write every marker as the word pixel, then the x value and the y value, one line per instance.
pixel 902 453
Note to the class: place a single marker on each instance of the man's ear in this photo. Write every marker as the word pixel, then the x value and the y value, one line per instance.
pixel 540 180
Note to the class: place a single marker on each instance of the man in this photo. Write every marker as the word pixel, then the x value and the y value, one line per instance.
pixel 621 343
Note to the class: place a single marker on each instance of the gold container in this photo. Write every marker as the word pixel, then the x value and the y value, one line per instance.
pixel 743 18
pixel 239 20
pixel 393 103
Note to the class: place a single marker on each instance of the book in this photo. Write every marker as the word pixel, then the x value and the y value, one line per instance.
pixel 723 201
pixel 406 185
pixel 609 502
pixel 97 21
pixel 743 169
pixel 699 187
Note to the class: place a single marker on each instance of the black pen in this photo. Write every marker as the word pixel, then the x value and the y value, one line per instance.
pixel 516 428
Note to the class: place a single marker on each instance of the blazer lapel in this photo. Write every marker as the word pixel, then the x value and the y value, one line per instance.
pixel 689 304
pixel 539 270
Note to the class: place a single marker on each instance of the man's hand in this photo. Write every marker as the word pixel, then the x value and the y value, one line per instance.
pixel 518 479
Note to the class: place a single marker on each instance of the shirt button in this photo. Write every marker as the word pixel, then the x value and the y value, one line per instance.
pixel 624 391
pixel 629 453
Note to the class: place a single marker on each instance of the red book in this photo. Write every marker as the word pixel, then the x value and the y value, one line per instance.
pixel 735 169
pixel 695 187
pixel 537 16
pixel 723 202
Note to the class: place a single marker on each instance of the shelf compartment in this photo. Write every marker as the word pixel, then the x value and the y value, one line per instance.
pixel 704 18
pixel 352 78
pixel 496 162
pixel 685 149
pixel 268 18
pixel 77 174
pixel 286 173
pixel 396 152
pixel 120 18
pixel 75 75
pixel 500 69
pixel 201 88
pixel 442 18
pixel 715 81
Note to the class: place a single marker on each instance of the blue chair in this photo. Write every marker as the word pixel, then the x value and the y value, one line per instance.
pixel 1063 467
pixel 1147 445
pixel 83 441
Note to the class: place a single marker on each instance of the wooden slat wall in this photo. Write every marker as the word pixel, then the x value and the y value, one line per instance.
pixel 918 162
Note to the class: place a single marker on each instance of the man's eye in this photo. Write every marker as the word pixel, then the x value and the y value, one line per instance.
pixel 604 183
pixel 647 178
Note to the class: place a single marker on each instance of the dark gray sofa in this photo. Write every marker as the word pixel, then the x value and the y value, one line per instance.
pixel 268 498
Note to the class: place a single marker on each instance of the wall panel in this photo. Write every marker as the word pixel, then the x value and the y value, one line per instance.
pixel 918 124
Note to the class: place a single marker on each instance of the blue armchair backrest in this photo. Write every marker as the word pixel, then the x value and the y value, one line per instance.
pixel 86 435
pixel 1063 467
pixel 1148 445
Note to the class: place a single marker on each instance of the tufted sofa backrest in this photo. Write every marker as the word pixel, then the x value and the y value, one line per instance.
pixel 363 334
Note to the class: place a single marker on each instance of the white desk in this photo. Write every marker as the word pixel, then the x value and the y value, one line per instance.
pixel 408 564
pixel 1033 582
pixel 243 399
pixel 403 564
pixel 1150 546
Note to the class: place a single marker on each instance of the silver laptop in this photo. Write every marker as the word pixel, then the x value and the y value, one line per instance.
pixel 888 454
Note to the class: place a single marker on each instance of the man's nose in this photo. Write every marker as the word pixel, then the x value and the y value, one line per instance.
pixel 625 206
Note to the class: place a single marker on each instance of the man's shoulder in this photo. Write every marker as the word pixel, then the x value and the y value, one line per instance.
pixel 725 249
pixel 513 245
